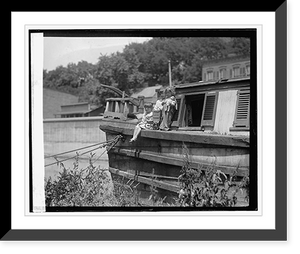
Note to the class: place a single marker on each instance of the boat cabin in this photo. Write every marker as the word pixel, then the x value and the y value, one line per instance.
pixel 220 107
pixel 212 120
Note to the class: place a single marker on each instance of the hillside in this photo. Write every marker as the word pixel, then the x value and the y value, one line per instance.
pixel 52 100
pixel 142 65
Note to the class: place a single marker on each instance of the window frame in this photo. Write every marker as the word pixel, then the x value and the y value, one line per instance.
pixel 247 69
pixel 236 68
pixel 180 123
pixel 223 70
pixel 210 72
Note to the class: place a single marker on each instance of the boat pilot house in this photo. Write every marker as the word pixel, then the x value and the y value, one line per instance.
pixel 210 120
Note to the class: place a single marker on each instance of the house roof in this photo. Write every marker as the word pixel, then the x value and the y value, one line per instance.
pixel 75 104
pixel 214 82
pixel 227 60
pixel 147 92
pixel 82 111
pixel 72 112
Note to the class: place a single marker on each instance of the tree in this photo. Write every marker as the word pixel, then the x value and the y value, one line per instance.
pixel 240 46
pixel 143 64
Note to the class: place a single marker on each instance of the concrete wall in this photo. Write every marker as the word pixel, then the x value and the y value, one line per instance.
pixel 65 134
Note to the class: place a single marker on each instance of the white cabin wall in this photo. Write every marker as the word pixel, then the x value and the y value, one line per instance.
pixel 225 111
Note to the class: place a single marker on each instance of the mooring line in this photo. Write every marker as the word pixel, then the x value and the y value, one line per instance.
pixel 74 150
pixel 106 143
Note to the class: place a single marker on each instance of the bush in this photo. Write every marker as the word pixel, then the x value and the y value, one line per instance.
pixel 93 186
pixel 79 187
pixel 209 187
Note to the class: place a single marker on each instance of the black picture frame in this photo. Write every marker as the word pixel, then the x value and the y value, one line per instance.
pixel 277 234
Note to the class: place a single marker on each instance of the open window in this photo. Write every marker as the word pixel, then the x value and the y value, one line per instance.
pixel 200 111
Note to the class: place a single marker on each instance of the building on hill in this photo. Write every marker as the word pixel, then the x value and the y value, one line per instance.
pixel 81 109
pixel 52 101
pixel 149 94
pixel 227 68
pixel 220 102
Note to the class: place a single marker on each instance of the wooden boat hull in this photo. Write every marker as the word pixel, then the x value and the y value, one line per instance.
pixel 156 158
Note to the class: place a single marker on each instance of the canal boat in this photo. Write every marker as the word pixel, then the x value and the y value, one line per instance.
pixel 212 121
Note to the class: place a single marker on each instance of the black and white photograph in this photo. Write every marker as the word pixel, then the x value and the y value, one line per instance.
pixel 149 120
pixel 149 126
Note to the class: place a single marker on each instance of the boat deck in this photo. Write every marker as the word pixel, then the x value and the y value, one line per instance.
pixel 126 128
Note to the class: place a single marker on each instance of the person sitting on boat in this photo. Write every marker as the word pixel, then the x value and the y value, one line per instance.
pixel 158 109
pixel 146 123
pixel 168 110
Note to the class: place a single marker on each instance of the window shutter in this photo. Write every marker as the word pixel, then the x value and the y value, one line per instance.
pixel 209 110
pixel 175 118
pixel 230 75
pixel 204 79
pixel 242 113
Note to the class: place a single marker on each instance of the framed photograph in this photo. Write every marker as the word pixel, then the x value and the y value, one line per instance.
pixel 150 130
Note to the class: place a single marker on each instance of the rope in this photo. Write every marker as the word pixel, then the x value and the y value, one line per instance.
pixel 74 150
pixel 112 142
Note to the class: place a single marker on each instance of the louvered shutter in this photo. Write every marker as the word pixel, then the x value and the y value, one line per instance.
pixel 209 110
pixel 242 113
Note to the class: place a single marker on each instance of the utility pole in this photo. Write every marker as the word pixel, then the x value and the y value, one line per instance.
pixel 170 74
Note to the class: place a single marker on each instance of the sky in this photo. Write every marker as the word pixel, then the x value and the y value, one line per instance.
pixel 64 50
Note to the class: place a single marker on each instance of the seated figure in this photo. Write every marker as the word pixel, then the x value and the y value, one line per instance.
pixel 146 123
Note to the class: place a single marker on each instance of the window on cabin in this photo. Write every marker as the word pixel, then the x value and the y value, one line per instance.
pixel 200 110
pixel 194 109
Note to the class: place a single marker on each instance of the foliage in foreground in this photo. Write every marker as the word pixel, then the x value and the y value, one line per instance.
pixel 79 187
pixel 92 186
pixel 209 187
